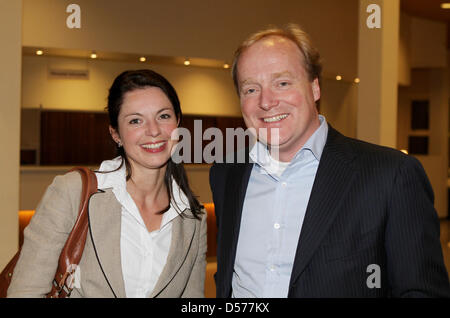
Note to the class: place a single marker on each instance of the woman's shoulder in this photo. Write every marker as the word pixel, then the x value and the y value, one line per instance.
pixel 67 187
pixel 70 181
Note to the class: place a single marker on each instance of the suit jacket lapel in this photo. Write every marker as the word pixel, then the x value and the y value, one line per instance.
pixel 183 229
pixel 236 186
pixel 105 214
pixel 333 179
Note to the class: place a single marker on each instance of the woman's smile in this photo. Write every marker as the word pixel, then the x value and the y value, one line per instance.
pixel 154 147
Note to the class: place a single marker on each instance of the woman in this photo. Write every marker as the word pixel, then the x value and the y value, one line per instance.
pixel 148 230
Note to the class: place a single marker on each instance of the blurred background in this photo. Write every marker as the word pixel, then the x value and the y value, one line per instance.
pixel 387 85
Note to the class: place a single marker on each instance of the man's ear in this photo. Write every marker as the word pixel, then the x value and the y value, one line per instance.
pixel 316 89
pixel 114 134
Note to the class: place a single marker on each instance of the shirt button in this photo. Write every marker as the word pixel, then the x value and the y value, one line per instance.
pixel 276 226
pixel 284 184
pixel 272 268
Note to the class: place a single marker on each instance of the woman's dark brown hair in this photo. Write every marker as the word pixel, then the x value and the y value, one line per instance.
pixel 139 79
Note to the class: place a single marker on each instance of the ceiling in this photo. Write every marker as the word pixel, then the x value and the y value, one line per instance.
pixel 428 9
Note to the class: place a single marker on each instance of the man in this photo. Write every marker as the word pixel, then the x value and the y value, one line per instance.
pixel 333 216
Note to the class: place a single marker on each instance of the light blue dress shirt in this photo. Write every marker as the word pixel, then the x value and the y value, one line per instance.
pixel 272 218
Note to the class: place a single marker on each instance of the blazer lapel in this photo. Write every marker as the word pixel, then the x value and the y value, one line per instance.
pixel 105 214
pixel 183 229
pixel 333 179
pixel 236 187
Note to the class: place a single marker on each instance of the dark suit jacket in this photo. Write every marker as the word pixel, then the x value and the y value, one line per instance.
pixel 369 205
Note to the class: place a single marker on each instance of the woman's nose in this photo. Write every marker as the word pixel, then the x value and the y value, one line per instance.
pixel 152 128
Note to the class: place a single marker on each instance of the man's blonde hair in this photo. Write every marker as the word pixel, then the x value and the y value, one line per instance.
pixel 292 32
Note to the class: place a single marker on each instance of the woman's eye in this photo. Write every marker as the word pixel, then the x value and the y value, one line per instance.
pixel 165 116
pixel 134 121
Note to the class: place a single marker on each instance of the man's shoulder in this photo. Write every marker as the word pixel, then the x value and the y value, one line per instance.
pixel 370 152
pixel 364 147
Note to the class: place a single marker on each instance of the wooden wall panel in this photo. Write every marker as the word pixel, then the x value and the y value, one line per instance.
pixel 75 138
pixel 82 138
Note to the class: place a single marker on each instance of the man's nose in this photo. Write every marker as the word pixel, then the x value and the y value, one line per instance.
pixel 268 99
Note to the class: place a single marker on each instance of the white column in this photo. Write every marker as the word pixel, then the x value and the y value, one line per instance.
pixel 378 71
pixel 10 92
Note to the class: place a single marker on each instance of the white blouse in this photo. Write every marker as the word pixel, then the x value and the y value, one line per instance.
pixel 143 253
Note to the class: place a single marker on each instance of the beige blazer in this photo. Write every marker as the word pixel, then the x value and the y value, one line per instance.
pixel 182 276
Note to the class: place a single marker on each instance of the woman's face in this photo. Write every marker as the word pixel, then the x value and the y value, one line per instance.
pixel 145 123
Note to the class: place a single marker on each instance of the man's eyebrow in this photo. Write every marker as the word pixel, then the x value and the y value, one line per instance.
pixel 281 74
pixel 273 76
pixel 247 81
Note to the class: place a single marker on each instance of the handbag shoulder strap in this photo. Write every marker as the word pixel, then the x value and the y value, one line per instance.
pixel 73 249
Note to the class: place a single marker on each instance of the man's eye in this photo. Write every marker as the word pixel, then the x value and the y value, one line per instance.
pixel 284 83
pixel 249 91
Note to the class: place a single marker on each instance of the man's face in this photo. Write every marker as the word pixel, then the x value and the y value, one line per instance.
pixel 275 92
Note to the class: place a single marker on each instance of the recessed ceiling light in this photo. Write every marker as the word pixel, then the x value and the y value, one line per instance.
pixel 445 5
pixel 357 80
pixel 39 52
pixel 93 55
pixel 338 78
pixel 226 65
pixel 187 62
pixel 142 59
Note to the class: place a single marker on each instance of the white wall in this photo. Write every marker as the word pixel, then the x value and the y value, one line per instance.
pixel 201 90
pixel 196 28
pixel 428 43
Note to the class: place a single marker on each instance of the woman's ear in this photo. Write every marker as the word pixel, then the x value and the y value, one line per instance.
pixel 114 134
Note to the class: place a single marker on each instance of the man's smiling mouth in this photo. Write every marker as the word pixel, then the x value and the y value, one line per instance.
pixel 275 118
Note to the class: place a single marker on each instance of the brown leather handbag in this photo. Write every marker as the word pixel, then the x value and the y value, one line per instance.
pixel 72 250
